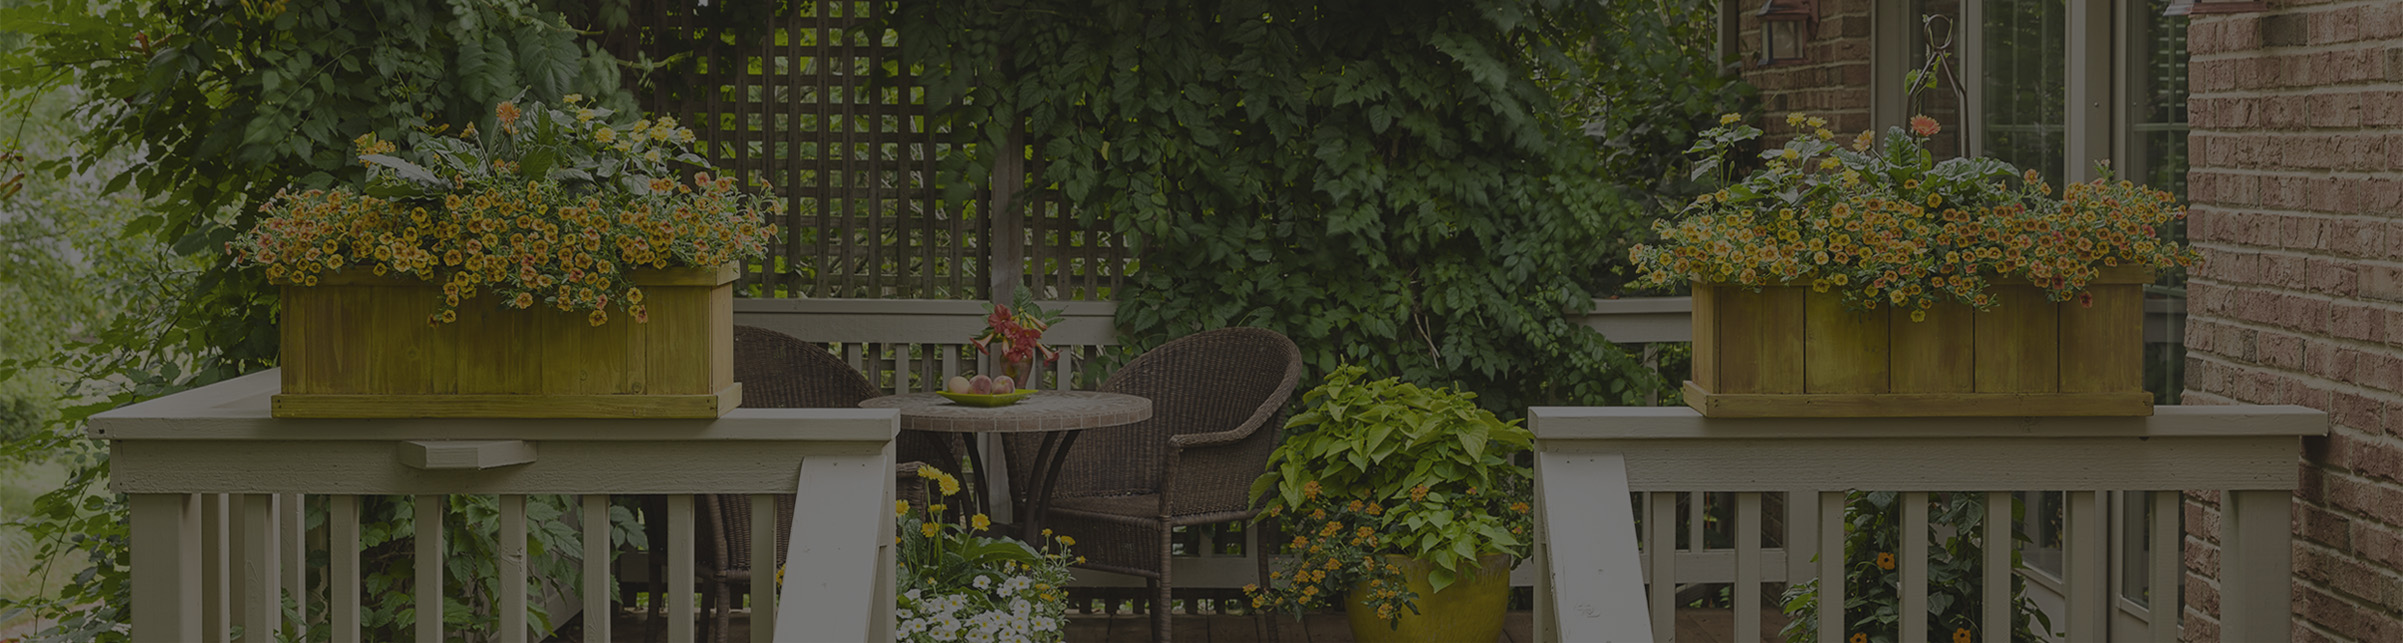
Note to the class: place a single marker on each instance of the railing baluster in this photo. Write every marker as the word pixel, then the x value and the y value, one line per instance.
pixel 1914 566
pixel 1997 594
pixel 1695 521
pixel 2083 569
pixel 1661 584
pixel 1748 567
pixel 342 579
pixel 216 599
pixel 1802 535
pixel 764 525
pixel 1831 566
pixel 597 550
pixel 261 595
pixel 951 364
pixel 293 522
pixel 512 565
pixel 680 568
pixel 2167 567
pixel 428 524
pixel 167 592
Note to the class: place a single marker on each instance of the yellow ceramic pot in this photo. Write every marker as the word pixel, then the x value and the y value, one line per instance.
pixel 1470 609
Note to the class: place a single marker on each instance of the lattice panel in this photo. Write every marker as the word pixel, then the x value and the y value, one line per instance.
pixel 779 94
pixel 789 103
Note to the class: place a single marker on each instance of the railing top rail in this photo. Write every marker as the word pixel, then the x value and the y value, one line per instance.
pixel 1684 423
pixel 917 321
pixel 238 410
pixel 2200 447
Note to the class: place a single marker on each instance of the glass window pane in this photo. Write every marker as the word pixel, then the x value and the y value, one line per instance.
pixel 2025 88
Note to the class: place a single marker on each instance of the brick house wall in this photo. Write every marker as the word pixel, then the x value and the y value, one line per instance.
pixel 1832 82
pixel 2297 205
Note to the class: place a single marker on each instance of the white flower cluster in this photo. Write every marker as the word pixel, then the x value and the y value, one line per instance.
pixel 999 611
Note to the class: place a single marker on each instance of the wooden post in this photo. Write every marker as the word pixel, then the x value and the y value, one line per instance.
pixel 834 529
pixel 1597 584
pixel 166 566
pixel 2255 562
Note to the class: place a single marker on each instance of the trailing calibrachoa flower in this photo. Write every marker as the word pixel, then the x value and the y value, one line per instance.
pixel 1886 224
pixel 553 211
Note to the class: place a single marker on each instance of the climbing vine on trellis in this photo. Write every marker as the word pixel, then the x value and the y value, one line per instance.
pixel 1388 183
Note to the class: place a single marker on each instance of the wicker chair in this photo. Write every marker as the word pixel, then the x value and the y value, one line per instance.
pixel 779 371
pixel 1218 404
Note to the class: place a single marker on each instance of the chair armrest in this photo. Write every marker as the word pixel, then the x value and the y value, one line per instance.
pixel 1212 439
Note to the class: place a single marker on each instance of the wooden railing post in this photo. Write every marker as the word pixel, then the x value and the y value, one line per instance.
pixel 1596 582
pixel 166 566
pixel 837 530
pixel 2255 565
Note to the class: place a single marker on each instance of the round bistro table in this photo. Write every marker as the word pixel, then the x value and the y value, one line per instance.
pixel 1058 415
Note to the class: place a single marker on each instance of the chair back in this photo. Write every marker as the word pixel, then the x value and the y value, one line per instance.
pixel 1226 380
pixel 783 372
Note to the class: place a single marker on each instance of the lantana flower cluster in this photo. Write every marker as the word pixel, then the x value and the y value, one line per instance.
pixel 553 211
pixel 1339 545
pixel 1880 221
pixel 960 585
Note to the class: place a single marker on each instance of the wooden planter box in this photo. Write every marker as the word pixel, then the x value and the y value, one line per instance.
pixel 1787 351
pixel 357 346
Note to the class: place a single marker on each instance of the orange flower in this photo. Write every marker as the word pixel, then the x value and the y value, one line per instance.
pixel 1885 560
pixel 1924 126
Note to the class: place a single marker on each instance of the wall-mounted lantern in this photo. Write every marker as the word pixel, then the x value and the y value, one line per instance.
pixel 1786 26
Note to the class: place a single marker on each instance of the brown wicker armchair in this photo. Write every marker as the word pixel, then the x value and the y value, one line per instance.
pixel 779 371
pixel 1218 404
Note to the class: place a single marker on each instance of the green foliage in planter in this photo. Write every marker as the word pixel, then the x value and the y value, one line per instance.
pixel 1387 467
pixel 1955 575
pixel 1390 184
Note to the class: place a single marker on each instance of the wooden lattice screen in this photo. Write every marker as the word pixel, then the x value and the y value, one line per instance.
pixel 777 94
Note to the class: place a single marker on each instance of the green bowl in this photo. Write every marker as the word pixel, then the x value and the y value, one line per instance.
pixel 996 399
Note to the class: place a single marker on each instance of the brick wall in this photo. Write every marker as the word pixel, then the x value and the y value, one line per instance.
pixel 2297 190
pixel 1833 82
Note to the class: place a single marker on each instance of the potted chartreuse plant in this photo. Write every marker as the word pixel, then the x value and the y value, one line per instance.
pixel 1405 503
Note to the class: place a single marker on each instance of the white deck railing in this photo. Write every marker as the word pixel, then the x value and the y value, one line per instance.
pixel 1590 459
pixel 215 486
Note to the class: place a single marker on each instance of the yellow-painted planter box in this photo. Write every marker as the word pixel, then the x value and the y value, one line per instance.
pixel 358 346
pixel 1787 351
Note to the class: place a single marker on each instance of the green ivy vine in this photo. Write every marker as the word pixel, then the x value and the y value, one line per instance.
pixel 1391 184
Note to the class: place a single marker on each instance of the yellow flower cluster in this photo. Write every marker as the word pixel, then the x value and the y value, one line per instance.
pixel 528 241
pixel 1910 234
